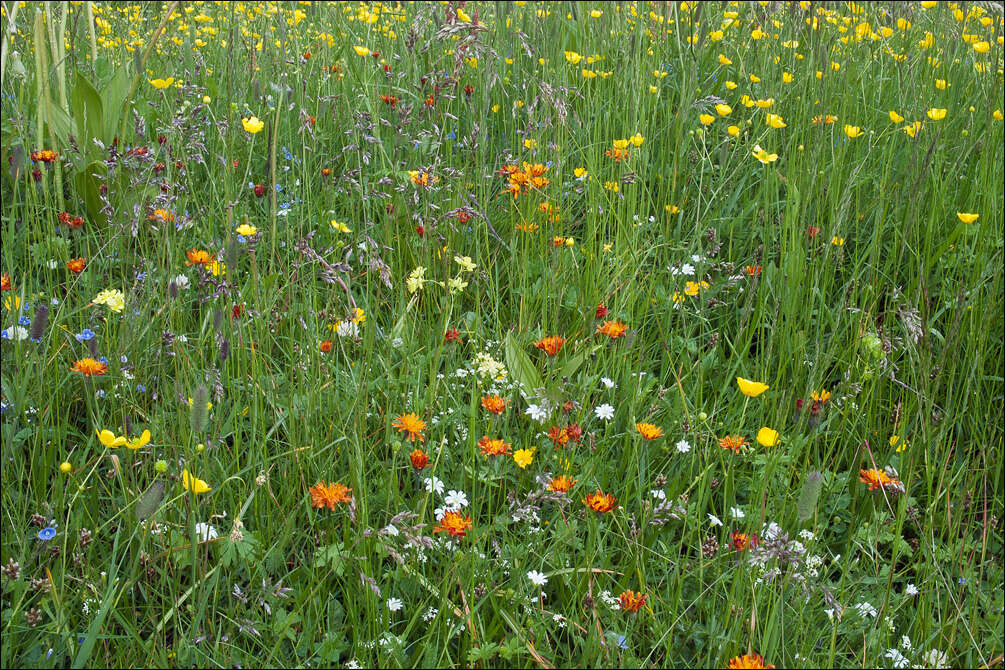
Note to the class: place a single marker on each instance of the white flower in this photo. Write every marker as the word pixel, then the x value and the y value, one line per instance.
pixel 537 578
pixel 430 614
pixel 609 383
pixel 348 328
pixel 605 412
pixel 935 659
pixel 182 282
pixel 391 530
pixel 683 446
pixel 736 512
pixel 205 532
pixel 897 658
pixel 52 264
pixel 17 333
pixel 905 642
pixel 807 535
pixel 433 485
pixel 866 609
pixel 910 590
pixel 714 520
pixel 658 494
pixel 697 258
pixel 455 500
pixel 539 413
pixel 394 604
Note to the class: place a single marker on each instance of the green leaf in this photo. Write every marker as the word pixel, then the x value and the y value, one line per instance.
pixel 519 365
pixel 85 102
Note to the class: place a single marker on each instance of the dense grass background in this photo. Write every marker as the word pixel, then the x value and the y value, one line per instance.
pixel 870 287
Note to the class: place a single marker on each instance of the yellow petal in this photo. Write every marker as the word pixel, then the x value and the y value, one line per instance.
pixel 751 388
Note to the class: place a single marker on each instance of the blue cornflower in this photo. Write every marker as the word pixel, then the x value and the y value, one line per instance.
pixel 140 276
pixel 46 534
pixel 451 135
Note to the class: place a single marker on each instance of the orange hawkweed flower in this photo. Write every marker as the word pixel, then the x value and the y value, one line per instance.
pixel 559 436
pixel 390 100
pixel 561 484
pixel 733 442
pixel 199 257
pixel 5 283
pixel 454 523
pixel 550 345
pixel 648 430
pixel 742 541
pixel 329 495
pixel 326 346
pixel 612 329
pixel 419 458
pixel 754 270
pixel 600 501
pixel 89 366
pixel 76 265
pixel 44 156
pixel 877 479
pixel 752 661
pixel 632 602
pixel 493 447
pixel 411 424
pixel 494 404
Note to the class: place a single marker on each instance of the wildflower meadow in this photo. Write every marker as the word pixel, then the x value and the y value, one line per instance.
pixel 478 334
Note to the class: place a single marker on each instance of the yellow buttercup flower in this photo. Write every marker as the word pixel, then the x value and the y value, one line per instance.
pixel 253 125
pixel 966 217
pixel 723 109
pixel 936 113
pixel 140 441
pixel 734 131
pixel 751 388
pixel 775 121
pixel 895 117
pixel 161 83
pixel 361 51
pixel 767 437
pixel 853 131
pixel 108 438
pixel 193 483
pixel 246 230
pixel 763 156
pixel 706 119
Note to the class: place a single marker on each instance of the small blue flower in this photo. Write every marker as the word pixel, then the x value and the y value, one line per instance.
pixel 100 393
pixel 140 276
pixel 103 359
pixel 46 534
pixel 24 321
pixel 451 135
pixel 241 239
pixel 84 335
pixel 123 359
pixel 4 335
pixel 141 388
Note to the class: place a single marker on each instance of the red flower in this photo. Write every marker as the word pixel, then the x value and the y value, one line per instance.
pixel 602 311
pixel 421 230
pixel 259 190
pixel 453 335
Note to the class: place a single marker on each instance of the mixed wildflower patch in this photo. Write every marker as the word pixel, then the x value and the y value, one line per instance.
pixel 537 334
